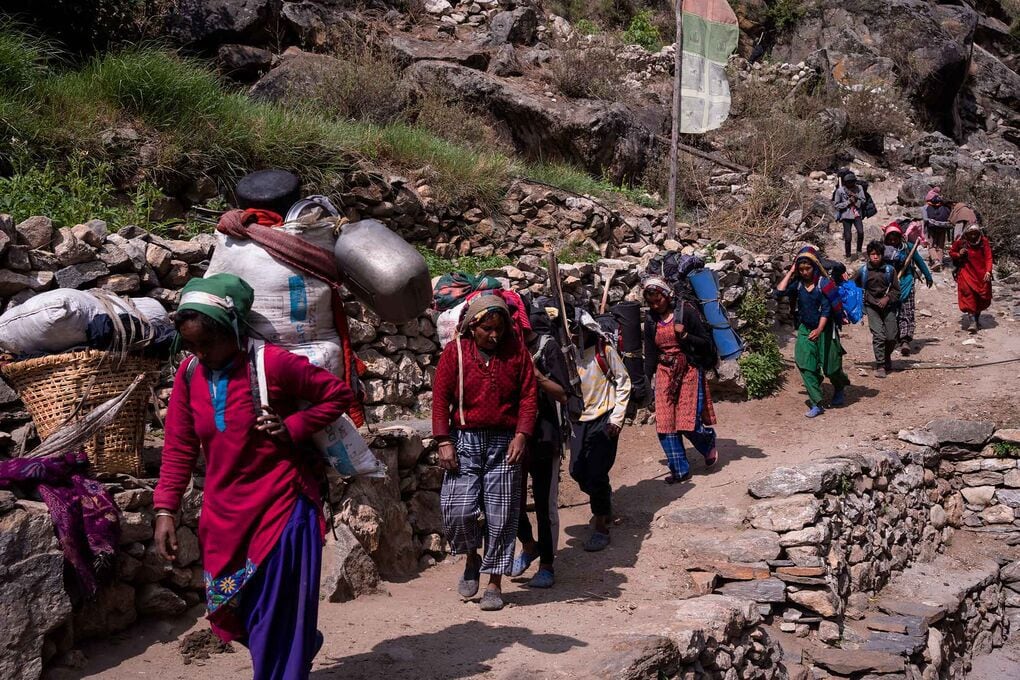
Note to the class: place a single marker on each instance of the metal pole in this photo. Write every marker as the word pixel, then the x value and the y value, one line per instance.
pixel 678 65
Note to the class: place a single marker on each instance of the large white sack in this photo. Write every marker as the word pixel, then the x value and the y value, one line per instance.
pixel 290 308
pixel 58 320
pixel 446 324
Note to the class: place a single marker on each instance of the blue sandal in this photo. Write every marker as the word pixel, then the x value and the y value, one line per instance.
pixel 596 542
pixel 521 563
pixel 543 579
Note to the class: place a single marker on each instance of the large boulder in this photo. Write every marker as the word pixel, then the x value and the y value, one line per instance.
pixel 603 137
pixel 33 601
pixel 297 72
pixel 519 27
pixel 927 45
pixel 208 22
pixel 377 517
pixel 409 50
pixel 347 570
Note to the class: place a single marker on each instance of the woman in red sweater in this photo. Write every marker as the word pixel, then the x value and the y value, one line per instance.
pixel 261 527
pixel 484 402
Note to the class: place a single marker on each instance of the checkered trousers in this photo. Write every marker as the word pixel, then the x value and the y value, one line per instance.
pixel 485 482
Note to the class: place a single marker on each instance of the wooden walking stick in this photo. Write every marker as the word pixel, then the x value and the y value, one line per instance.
pixel 605 291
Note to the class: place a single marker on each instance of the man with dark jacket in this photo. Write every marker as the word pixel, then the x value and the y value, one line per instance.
pixel 848 202
pixel 881 301
pixel 544 452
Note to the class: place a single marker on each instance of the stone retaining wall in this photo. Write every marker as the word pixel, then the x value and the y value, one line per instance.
pixel 710 637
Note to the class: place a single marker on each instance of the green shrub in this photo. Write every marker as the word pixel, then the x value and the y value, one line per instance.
pixel 586 27
pixel 762 363
pixel 1006 449
pixel 468 264
pixel 643 31
pixel 73 194
pixel 784 14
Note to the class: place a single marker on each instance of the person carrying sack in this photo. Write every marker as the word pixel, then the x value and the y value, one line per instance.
pixel 484 405
pixel 818 351
pixel 605 388
pixel 262 527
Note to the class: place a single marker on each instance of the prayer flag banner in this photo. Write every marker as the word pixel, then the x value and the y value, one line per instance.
pixel 710 37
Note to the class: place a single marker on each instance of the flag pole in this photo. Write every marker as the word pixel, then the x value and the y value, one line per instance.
pixel 674 148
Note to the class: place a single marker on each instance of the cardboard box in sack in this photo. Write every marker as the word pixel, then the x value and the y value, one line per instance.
pixel 341 443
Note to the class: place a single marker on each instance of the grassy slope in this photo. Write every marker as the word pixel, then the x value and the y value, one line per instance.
pixel 195 126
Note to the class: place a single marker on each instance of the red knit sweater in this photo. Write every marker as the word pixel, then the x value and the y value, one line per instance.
pixel 502 395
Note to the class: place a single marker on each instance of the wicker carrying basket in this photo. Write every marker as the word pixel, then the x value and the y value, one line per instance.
pixel 52 387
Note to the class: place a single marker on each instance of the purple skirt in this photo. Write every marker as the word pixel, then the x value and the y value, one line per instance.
pixel 279 605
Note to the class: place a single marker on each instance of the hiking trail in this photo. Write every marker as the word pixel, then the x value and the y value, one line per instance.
pixel 421 629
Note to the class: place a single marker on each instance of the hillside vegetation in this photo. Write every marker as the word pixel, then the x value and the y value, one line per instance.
pixel 145 119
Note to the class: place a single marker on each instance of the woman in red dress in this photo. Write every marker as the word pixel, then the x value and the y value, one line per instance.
pixel 972 256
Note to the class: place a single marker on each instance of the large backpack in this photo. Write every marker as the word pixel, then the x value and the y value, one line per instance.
pixel 869 209
pixel 708 360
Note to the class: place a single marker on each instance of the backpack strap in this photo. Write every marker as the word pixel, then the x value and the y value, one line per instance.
pixel 603 361
pixel 189 370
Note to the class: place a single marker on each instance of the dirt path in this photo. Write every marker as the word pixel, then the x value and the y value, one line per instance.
pixel 420 629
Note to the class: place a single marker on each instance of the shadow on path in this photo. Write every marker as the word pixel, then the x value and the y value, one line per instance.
pixel 584 576
pixel 459 651
pixel 110 651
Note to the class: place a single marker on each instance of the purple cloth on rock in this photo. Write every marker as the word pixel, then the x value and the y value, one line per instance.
pixel 86 519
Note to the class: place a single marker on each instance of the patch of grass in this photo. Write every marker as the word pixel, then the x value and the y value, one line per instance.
pixel 189 124
pixel 574 253
pixel 468 264
pixel 452 120
pixel 762 363
pixel 643 31
pixel 586 27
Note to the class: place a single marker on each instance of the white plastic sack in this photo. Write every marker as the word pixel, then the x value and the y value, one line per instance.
pixel 322 353
pixel 58 320
pixel 341 443
pixel 347 451
pixel 446 324
pixel 290 308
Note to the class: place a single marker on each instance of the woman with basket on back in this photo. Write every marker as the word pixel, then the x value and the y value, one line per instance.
pixel 261 528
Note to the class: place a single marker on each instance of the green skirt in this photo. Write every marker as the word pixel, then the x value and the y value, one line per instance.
pixel 824 355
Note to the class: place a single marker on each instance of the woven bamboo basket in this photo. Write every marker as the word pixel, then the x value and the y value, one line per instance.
pixel 52 389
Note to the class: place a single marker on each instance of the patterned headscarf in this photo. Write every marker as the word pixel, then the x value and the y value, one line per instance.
pixel 657 284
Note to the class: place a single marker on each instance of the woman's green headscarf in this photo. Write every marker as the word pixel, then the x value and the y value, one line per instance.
pixel 224 298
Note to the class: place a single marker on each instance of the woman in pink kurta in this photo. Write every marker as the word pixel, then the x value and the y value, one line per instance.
pixel 261 526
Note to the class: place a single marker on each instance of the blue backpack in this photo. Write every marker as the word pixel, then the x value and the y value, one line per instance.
pixel 852 298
